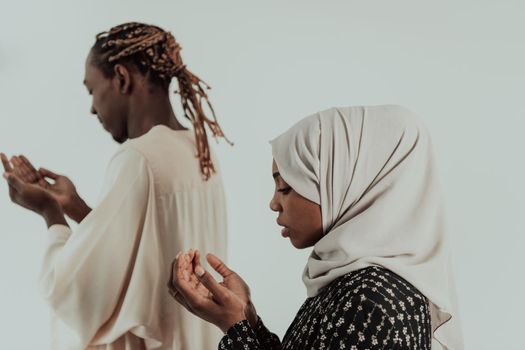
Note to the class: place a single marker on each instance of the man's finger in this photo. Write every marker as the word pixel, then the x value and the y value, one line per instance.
pixel 30 172
pixel 15 161
pixel 27 163
pixel 43 183
pixel 5 163
pixel 48 173
pixel 14 181
pixel 19 167
pixel 20 170
pixel 218 265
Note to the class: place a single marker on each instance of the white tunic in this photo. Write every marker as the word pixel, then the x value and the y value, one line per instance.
pixel 106 282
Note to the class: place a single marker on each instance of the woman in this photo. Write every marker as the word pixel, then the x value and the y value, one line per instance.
pixel 359 185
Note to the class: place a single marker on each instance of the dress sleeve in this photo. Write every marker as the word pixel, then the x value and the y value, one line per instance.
pixel 359 323
pixel 242 336
pixel 85 272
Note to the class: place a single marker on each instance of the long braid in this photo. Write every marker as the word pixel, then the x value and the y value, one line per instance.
pixel 157 51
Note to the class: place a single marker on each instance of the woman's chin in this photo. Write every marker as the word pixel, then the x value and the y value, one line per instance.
pixel 298 243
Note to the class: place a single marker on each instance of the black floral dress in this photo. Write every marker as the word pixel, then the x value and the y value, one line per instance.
pixel 371 308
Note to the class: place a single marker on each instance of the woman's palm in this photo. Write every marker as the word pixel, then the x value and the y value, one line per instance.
pixel 237 285
pixel 231 280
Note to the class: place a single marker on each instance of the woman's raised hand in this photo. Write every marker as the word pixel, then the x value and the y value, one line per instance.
pixel 233 282
pixel 223 304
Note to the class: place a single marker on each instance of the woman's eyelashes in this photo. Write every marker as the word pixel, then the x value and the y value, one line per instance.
pixel 285 190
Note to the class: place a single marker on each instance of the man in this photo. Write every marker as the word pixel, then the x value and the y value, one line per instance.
pixel 106 282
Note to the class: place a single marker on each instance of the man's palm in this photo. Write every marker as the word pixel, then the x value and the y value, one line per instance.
pixel 24 190
pixel 62 188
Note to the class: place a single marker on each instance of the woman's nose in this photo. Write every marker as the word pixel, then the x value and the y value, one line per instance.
pixel 274 205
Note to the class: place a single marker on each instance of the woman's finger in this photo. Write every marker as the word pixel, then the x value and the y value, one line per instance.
pixel 197 259
pixel 194 300
pixel 218 265
pixel 171 284
pixel 178 297
pixel 185 266
pixel 181 272
pixel 191 254
pixel 172 281
pixel 219 292
pixel 195 282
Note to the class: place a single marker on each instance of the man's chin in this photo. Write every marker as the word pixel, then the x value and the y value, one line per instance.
pixel 118 138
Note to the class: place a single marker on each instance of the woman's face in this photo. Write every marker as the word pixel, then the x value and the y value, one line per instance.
pixel 300 217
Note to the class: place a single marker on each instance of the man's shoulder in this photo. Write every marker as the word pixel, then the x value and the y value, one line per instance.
pixel 128 159
pixel 128 152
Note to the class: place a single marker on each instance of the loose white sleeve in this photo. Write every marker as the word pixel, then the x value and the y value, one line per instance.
pixel 84 273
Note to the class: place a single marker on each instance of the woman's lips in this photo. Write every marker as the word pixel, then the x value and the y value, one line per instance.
pixel 285 232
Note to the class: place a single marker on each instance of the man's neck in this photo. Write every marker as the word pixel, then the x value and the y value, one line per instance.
pixel 151 111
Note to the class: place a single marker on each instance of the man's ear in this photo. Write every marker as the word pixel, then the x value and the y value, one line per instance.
pixel 122 79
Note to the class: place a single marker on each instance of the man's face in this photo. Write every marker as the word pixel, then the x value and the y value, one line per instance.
pixel 108 104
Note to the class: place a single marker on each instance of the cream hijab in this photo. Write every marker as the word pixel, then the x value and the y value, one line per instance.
pixel 372 171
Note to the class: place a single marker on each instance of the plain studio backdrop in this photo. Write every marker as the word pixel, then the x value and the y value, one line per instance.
pixel 460 65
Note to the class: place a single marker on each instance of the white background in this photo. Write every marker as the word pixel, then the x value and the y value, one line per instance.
pixel 459 64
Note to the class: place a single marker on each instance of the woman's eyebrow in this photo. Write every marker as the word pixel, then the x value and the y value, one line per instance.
pixel 276 174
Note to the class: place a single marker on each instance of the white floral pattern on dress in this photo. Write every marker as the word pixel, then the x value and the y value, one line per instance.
pixel 371 308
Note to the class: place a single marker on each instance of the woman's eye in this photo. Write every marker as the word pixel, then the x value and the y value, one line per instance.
pixel 285 190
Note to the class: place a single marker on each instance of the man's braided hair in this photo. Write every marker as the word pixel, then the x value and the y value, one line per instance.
pixel 156 54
